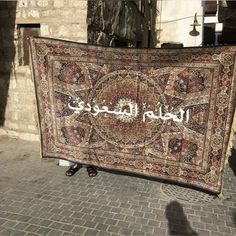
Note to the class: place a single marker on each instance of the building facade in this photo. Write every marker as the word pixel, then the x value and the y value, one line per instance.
pixel 170 22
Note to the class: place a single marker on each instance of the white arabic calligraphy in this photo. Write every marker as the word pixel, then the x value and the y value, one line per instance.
pixel 133 111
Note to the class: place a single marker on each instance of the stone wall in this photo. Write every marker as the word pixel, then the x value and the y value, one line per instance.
pixel 65 19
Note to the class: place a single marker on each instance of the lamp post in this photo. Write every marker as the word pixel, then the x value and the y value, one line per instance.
pixel 194 32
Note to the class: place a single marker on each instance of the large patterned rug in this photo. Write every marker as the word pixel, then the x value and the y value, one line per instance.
pixel 165 113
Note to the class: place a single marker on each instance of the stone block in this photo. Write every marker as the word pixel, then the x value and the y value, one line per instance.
pixel 42 3
pixel 69 30
pixel 23 13
pixel 23 3
pixel 49 13
pixel 79 4
pixel 80 14
pixel 44 30
pixel 34 13
pixel 59 3
pixel 32 3
pixel 11 125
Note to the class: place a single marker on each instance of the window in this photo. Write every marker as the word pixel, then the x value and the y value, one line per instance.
pixel 25 31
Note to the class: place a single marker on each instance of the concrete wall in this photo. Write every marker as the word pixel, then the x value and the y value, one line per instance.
pixel 65 19
pixel 174 20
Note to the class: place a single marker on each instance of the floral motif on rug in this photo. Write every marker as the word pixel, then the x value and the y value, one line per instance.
pixel 164 113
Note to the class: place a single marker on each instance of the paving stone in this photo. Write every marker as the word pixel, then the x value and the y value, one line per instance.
pixel 68 234
pixel 101 227
pixel 32 228
pixel 147 229
pixel 119 217
pixel 88 217
pixel 138 213
pixel 67 213
pixel 99 219
pixel 12 216
pixel 91 232
pixel 19 233
pixel 31 234
pixel 135 208
pixel 125 231
pixel 2 221
pixel 224 229
pixel 43 231
pixel 149 216
pixel 113 229
pixel 210 227
pixel 55 232
pixel 134 226
pixel 78 222
pixel 9 224
pixel 199 225
pixel 130 219
pixel 7 232
pixel 203 232
pixel 123 224
pixel 90 224
pixel 67 228
pixel 141 221
pixel 56 225
pixel 79 230
pixel 106 208
pixel 111 222
pixel 96 212
pixel 116 210
pixel 34 221
pixel 127 211
pixel 46 222
pixel 108 215
pixel 25 218
pixel 214 233
pixel 160 231
pixel 125 205
pixel 153 223
pixel 21 226
pixel 137 233
pixel 102 233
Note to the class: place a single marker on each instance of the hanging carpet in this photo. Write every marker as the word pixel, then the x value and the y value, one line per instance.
pixel 165 113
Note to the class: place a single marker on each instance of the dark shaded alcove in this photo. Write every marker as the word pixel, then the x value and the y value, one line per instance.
pixel 227 16
pixel 7 51
pixel 122 23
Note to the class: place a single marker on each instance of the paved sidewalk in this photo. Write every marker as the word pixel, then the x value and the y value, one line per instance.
pixel 36 198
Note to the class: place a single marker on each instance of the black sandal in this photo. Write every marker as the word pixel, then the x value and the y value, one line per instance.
pixel 91 171
pixel 72 170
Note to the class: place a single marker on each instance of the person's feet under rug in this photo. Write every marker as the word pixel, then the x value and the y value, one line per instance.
pixel 72 170
pixel 92 172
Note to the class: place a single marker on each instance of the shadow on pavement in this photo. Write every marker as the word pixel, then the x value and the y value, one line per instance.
pixel 232 161
pixel 177 221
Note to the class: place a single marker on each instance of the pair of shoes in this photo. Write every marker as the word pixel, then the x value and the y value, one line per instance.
pixel 72 170
pixel 91 171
